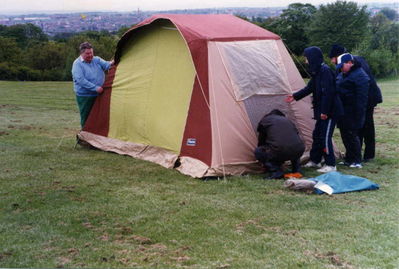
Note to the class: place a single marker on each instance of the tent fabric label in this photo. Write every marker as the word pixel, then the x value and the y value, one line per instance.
pixel 191 142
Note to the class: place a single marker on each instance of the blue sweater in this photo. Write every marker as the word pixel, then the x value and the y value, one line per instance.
pixel 88 77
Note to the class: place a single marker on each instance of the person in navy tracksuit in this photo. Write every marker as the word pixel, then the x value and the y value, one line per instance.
pixel 367 132
pixel 326 108
pixel 353 87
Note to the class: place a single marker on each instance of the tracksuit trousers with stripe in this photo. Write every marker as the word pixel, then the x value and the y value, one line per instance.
pixel 322 145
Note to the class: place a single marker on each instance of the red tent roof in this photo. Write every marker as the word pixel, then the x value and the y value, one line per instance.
pixel 214 27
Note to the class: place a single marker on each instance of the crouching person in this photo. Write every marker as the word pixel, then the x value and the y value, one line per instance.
pixel 278 142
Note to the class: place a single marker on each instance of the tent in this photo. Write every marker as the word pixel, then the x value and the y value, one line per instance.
pixel 188 91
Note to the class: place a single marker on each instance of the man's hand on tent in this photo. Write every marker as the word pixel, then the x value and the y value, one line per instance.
pixel 323 116
pixel 100 90
pixel 289 98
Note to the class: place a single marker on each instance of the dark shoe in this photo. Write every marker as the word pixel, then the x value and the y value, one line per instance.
pixel 83 143
pixel 276 175
pixel 368 160
pixel 298 170
pixel 344 163
pixel 268 166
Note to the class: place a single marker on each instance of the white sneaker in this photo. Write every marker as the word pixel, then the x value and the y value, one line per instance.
pixel 311 164
pixel 327 168
pixel 356 165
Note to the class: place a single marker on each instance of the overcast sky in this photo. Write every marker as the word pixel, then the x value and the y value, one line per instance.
pixel 25 6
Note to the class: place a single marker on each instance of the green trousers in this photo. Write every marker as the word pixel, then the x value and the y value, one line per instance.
pixel 85 103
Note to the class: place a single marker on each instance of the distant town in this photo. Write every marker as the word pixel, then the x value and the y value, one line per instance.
pixel 53 24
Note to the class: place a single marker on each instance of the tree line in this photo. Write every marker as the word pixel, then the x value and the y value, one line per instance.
pixel 346 23
pixel 26 53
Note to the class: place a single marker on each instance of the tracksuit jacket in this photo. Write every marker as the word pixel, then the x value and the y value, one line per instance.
pixel 325 101
pixel 322 85
pixel 353 88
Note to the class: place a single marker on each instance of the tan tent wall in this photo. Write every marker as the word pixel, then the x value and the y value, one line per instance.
pixel 233 138
pixel 302 110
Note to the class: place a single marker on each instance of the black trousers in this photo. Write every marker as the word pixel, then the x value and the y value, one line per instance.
pixel 367 134
pixel 266 156
pixel 350 138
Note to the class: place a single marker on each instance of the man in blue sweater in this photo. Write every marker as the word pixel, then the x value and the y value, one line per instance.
pixel 326 109
pixel 88 78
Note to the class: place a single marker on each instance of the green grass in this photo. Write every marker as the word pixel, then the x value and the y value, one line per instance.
pixel 66 207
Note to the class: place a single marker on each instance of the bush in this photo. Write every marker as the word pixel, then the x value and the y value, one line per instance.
pixel 7 72
pixel 25 73
pixel 10 71
pixel 48 56
pixel 383 63
pixel 52 75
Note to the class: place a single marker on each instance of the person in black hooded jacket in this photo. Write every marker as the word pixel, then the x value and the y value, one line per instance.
pixel 278 141
pixel 326 108
pixel 353 88
pixel 367 132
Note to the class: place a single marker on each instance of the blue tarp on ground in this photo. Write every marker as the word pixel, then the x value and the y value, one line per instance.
pixel 335 182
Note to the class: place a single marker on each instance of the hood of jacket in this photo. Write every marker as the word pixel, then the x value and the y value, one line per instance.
pixel 356 64
pixel 315 59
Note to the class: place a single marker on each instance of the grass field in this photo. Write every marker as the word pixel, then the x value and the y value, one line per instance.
pixel 66 207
